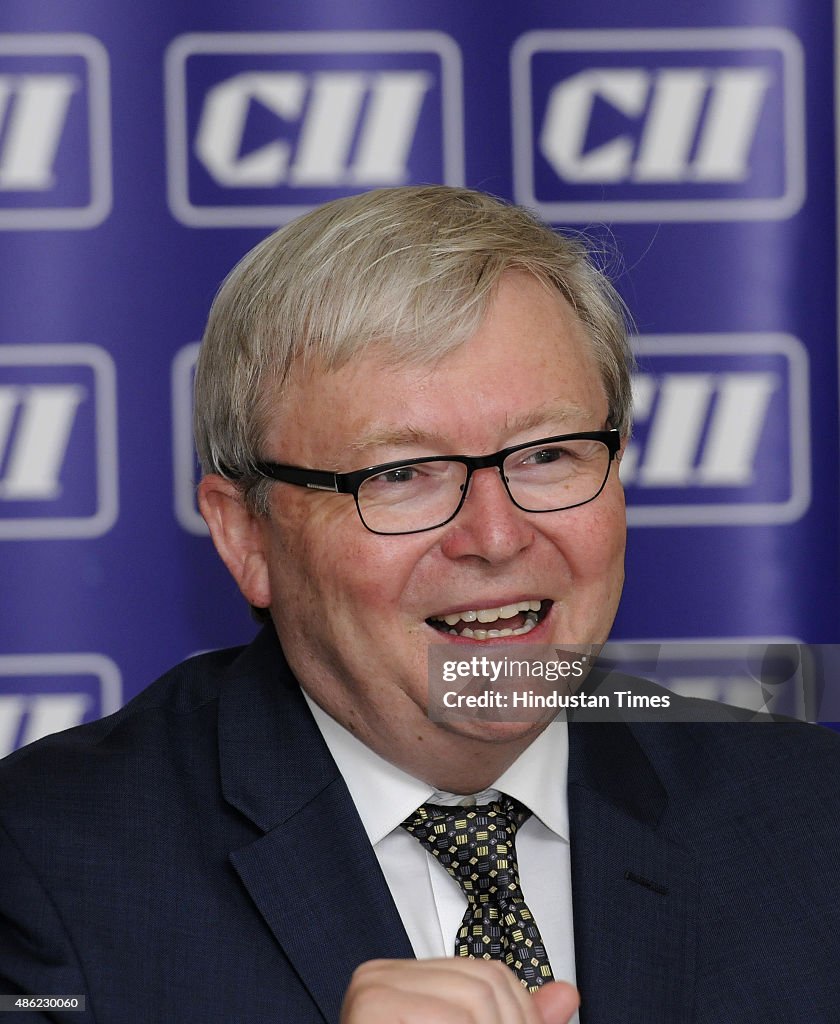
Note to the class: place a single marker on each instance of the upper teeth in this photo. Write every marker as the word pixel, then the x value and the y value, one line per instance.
pixel 506 611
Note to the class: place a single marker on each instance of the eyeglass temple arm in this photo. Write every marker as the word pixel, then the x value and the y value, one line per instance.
pixel 316 479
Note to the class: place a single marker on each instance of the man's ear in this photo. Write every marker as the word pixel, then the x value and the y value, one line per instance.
pixel 238 536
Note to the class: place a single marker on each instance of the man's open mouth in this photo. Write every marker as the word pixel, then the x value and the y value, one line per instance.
pixel 515 619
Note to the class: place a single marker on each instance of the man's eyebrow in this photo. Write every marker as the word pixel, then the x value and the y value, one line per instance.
pixel 406 435
pixel 396 437
pixel 562 413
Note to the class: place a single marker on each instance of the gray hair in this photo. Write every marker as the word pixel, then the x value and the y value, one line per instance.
pixel 410 270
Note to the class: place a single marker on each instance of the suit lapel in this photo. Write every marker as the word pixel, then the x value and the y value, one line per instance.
pixel 634 891
pixel 320 890
pixel 313 874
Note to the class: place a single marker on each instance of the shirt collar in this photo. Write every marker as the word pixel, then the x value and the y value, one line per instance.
pixel 538 777
pixel 385 795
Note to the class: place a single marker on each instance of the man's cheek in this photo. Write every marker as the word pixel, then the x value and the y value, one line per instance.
pixel 607 530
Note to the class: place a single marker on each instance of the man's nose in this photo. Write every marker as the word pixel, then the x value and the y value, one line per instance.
pixel 489 525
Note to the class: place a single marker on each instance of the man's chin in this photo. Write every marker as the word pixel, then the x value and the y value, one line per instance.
pixel 493 731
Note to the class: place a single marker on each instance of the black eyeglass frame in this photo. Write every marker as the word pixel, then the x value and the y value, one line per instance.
pixel 349 483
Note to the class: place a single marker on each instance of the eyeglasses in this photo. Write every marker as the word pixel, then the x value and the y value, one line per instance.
pixel 548 475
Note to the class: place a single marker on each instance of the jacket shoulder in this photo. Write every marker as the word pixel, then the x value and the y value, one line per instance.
pixel 156 723
pixel 717 772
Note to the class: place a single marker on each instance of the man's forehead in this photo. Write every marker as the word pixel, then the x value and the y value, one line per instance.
pixel 528 371
pixel 430 349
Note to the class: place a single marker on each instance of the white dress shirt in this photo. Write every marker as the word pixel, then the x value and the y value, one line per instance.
pixel 429 900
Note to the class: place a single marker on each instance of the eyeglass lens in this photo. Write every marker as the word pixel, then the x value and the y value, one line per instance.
pixel 543 478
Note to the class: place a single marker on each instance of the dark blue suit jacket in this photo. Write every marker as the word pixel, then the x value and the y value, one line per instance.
pixel 197 857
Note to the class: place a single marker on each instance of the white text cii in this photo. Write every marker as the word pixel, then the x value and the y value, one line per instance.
pixel 33 113
pixel 25 718
pixel 695 124
pixel 703 428
pixel 35 426
pixel 356 128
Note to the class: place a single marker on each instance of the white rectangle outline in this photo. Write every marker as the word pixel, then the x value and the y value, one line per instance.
pixel 70 664
pixel 693 647
pixel 748 513
pixel 73 44
pixel 107 486
pixel 787 205
pixel 177 150
pixel 183 482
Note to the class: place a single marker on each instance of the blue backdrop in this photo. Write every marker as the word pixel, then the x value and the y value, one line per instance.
pixel 144 149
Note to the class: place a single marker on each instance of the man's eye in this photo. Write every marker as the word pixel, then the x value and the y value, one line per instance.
pixel 544 455
pixel 400 475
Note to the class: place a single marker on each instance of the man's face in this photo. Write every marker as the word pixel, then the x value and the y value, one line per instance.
pixel 355 611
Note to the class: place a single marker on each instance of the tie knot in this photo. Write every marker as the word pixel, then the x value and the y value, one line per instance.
pixel 474 844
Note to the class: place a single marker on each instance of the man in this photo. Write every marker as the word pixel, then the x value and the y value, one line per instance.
pixel 410 406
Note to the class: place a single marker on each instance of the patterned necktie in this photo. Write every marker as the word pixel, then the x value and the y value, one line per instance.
pixel 476 846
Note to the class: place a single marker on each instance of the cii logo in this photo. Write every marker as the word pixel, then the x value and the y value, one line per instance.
pixel 683 125
pixel 58 441
pixel 185 462
pixel 721 433
pixel 44 693
pixel 263 126
pixel 55 132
